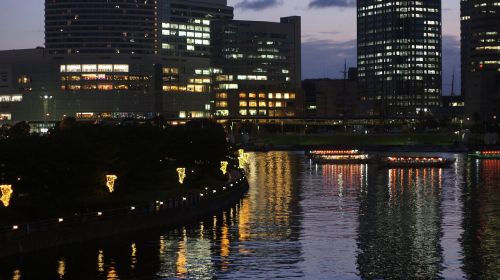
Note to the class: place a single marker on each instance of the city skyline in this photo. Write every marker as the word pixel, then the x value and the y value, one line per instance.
pixel 325 46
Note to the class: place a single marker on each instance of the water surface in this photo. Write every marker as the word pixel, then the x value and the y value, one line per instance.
pixel 312 222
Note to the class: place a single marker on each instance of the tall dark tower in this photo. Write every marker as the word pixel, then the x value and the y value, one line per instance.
pixel 100 26
pixel 481 58
pixel 399 56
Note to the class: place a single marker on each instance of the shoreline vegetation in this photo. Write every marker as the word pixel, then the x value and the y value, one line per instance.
pixel 65 172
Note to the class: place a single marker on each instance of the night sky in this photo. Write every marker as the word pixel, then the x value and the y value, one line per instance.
pixel 328 30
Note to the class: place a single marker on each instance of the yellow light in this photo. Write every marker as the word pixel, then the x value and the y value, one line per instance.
pixel 223 167
pixel 182 174
pixel 110 182
pixel 6 194
pixel 243 158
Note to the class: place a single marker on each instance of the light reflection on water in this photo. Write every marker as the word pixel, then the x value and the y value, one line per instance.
pixel 316 222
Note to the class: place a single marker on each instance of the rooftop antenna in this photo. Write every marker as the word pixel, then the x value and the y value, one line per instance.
pixel 345 70
pixel 453 83
pixel 344 91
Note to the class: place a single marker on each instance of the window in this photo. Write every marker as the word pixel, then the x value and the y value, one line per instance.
pixel 105 68
pixel 5 116
pixel 89 68
pixel 221 104
pixel 166 46
pixel 120 87
pixel 93 77
pixel 170 71
pixel 105 87
pixel 121 68
pixel 228 86
pixel 243 104
pixel 11 98
pixel 24 80
pixel 72 68
pixel 89 87
pixel 221 95
pixel 222 113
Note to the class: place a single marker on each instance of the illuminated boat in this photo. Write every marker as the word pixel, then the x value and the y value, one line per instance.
pixel 412 161
pixel 338 157
pixel 486 154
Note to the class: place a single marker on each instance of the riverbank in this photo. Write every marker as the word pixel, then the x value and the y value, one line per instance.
pixel 23 238
pixel 398 142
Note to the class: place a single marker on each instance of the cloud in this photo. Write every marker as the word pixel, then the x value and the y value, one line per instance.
pixel 258 5
pixel 332 3
pixel 326 58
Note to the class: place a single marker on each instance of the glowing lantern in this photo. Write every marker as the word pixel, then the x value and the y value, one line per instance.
pixel 6 194
pixel 243 158
pixel 182 174
pixel 223 167
pixel 110 182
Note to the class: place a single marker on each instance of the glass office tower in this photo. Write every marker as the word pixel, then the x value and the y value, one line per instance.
pixel 480 20
pixel 399 56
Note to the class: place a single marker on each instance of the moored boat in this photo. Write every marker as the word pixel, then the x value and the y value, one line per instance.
pixel 489 154
pixel 415 161
pixel 338 157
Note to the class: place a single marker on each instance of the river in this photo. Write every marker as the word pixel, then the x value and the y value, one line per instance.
pixel 305 221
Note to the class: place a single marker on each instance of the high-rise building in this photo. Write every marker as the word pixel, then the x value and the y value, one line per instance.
pixel 138 59
pixel 186 43
pixel 90 27
pixel 399 56
pixel 480 28
pixel 260 67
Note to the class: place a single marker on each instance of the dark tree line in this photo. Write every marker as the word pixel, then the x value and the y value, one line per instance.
pixel 74 158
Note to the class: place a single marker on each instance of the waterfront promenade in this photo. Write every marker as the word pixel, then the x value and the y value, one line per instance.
pixel 160 212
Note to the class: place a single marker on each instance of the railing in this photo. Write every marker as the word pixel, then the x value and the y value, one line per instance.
pixel 151 208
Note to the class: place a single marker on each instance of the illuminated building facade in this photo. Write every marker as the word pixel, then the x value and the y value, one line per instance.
pixel 260 65
pixel 138 59
pixel 399 56
pixel 186 44
pixel 480 25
